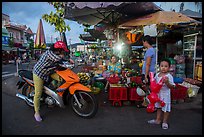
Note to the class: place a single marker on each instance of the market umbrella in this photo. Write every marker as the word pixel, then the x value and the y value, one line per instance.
pixel 40 37
pixel 160 17
pixel 87 37
pixel 109 13
pixel 93 35
pixel 97 34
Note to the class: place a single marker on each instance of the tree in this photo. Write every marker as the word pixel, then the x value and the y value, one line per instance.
pixel 57 19
pixel 181 7
pixel 87 26
pixel 31 46
pixel 11 42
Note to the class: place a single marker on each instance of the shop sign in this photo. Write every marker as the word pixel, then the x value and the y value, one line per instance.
pixel 5 40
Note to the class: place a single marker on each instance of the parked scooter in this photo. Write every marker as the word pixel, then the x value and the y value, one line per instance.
pixel 70 91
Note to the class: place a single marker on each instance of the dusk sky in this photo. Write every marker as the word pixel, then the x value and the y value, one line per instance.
pixel 29 14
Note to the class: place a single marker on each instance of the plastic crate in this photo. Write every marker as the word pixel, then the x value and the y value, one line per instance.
pixel 136 79
pixel 116 94
pixel 113 80
pixel 180 92
pixel 178 80
pixel 133 96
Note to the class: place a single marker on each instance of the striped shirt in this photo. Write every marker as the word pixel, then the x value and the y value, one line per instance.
pixel 44 66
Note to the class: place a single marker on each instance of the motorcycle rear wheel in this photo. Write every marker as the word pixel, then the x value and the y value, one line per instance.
pixel 89 105
pixel 28 91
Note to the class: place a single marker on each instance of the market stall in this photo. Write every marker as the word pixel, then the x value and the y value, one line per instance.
pixel 173 43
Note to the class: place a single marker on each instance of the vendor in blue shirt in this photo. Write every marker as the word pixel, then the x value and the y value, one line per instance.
pixel 114 67
pixel 149 64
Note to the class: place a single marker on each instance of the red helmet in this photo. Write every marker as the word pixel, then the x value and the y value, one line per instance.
pixel 61 45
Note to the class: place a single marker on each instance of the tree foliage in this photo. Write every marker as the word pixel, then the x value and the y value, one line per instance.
pixel 57 18
pixel 11 42
pixel 31 44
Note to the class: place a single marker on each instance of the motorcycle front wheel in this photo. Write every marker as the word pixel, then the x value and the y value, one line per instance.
pixel 84 104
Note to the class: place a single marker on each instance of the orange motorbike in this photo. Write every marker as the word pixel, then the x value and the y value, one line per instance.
pixel 70 91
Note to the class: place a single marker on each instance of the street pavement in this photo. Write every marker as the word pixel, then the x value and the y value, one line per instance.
pixel 17 118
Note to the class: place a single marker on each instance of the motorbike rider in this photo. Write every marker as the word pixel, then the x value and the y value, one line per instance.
pixel 43 70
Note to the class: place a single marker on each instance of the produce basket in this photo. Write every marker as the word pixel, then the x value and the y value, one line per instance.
pixel 136 79
pixel 113 80
pixel 180 92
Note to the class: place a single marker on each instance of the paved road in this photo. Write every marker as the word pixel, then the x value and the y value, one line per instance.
pixel 10 70
pixel 17 118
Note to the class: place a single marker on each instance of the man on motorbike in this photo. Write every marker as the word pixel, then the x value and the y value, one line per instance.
pixel 43 69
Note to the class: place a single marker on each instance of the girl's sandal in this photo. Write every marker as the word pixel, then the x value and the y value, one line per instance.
pixel 165 126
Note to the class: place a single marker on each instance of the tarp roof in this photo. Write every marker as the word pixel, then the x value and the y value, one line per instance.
pixel 160 17
pixel 191 13
pixel 109 13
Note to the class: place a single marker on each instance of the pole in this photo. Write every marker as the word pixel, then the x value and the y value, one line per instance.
pixel 17 61
pixel 156 52
pixel 70 44
pixel 84 47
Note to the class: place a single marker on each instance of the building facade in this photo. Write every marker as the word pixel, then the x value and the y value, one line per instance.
pixel 16 39
pixel 19 34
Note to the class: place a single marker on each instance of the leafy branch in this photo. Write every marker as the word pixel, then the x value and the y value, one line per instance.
pixel 57 19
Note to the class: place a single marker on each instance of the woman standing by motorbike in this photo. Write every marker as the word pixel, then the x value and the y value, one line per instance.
pixel 43 69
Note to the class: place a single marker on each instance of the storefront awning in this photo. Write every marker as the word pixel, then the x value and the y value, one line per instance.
pixel 5 32
pixel 5 48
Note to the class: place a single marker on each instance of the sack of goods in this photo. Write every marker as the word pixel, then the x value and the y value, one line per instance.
pixel 192 90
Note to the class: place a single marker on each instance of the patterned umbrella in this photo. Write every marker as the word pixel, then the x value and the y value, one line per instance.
pixel 40 37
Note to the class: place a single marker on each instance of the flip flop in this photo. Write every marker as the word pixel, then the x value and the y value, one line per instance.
pixel 38 118
pixel 153 121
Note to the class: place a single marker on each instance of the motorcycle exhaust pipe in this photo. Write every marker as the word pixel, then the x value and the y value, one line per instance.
pixel 23 97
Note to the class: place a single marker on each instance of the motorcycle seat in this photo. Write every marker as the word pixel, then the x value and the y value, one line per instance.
pixel 26 73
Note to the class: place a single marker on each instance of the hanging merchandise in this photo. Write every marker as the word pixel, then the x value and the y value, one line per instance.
pixel 110 43
pixel 180 66
pixel 150 30
pixel 200 71
pixel 109 33
pixel 77 54
pixel 131 37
